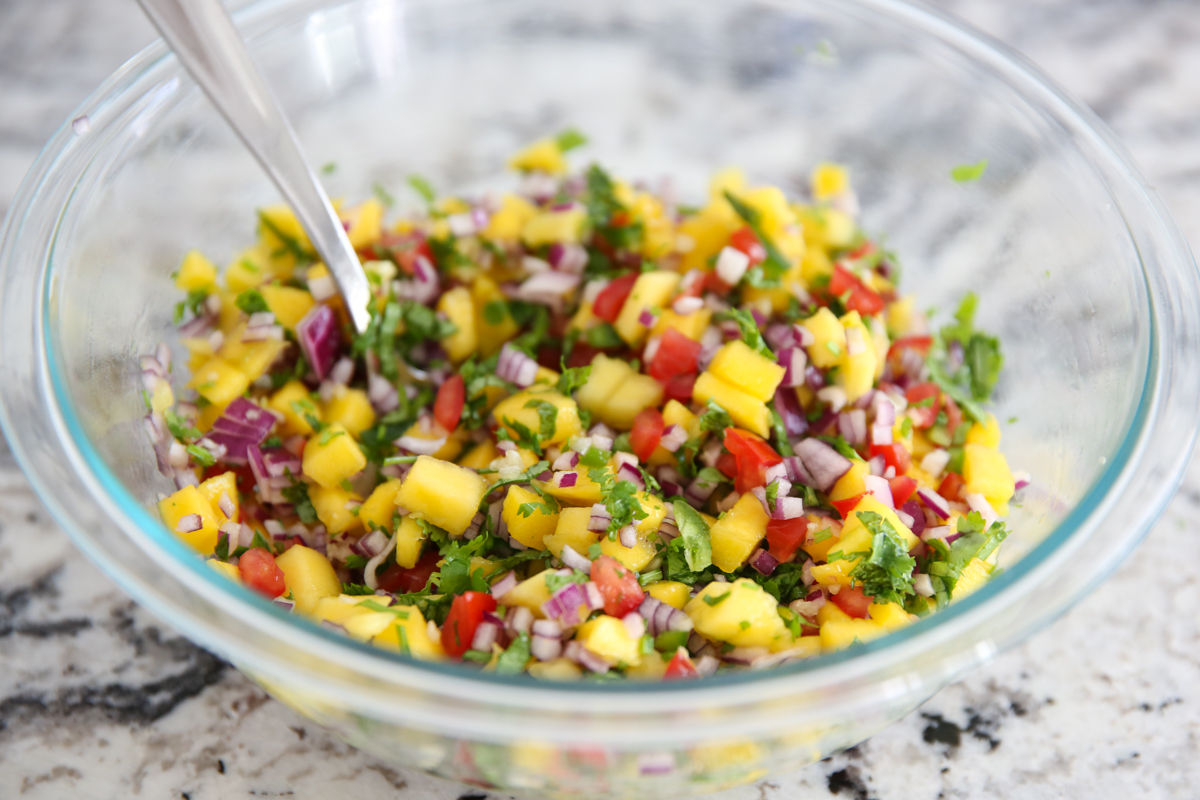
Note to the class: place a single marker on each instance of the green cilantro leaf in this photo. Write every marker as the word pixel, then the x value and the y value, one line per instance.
pixel 776 262
pixel 887 572
pixel 751 335
pixel 715 419
pixel 424 188
pixel 202 456
pixel 569 140
pixel 513 660
pixel 965 173
pixel 251 301
pixel 572 378
pixel 179 427
pixel 297 495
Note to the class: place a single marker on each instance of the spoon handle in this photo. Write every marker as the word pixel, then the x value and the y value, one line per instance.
pixel 206 42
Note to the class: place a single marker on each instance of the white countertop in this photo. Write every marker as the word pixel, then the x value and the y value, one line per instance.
pixel 98 700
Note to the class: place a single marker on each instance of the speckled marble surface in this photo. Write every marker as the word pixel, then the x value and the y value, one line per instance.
pixel 98 700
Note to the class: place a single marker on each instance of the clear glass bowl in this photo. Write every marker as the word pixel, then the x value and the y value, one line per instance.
pixel 1080 270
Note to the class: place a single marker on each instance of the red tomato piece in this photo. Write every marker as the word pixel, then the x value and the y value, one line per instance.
pixel 260 572
pixel 951 487
pixel 647 431
pixel 851 600
pixel 607 305
pixel 845 507
pixel 894 455
pixel 786 535
pixel 466 612
pixel 727 463
pixel 903 488
pixel 680 388
pixel 864 249
pixel 399 580
pixel 954 416
pixel 448 407
pixel 744 239
pixel 714 284
pixel 618 585
pixel 919 343
pixel 582 354
pixel 753 456
pixel 862 299
pixel 924 403
pixel 404 249
pixel 677 355
pixel 681 667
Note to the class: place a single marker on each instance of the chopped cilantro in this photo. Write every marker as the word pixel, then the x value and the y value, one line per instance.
pixel 495 312
pixel 569 140
pixel 572 378
pixel 356 589
pixel 202 456
pixel 751 335
pixel 423 188
pixel 179 427
pixel 887 572
pixel 603 336
pixel 383 195
pixel 554 581
pixel 965 173
pixel 715 419
pixel 513 660
pixel 713 601
pixel 776 262
pixel 251 301
pixel 297 495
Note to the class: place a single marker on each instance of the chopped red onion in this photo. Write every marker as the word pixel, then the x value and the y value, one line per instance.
pixel 568 460
pixel 600 518
pixel 566 480
pixel 824 464
pixel 370 545
pixel 785 507
pixel 628 536
pixel 1021 479
pixel 699 490
pixel 485 636
pixel 977 502
pixel 685 305
pixel 548 628
pixel 876 465
pixel 545 649
pixel 516 367
pixel 189 523
pixel 878 488
pixel 586 658
pixel 904 517
pixel 673 438
pixel 660 763
pixel 322 288
pixel 594 598
pixel 934 502
pixel 881 434
pixel 939 532
pixel 667 531
pixel 914 512
pixel 794 362
pixel 732 265
pixel 629 473
pixel 835 396
pixel 646 317
pixel 226 505
pixel 935 462
pixel 419 446
pixel 790 412
pixel 569 605
pixel 855 343
pixel 383 395
pixel 519 619
pixel 707 665
pixel 548 288
pixel 571 258
pixel 177 455
pixel 763 562
pixel 574 560
pixel 342 371
pixel 780 337
pixel 853 426
pixel 318 336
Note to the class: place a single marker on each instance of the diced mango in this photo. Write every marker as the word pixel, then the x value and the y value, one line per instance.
pixel 494 324
pixel 458 305
pixel 745 369
pixel 606 377
pixel 351 409
pixel 248 270
pixel 548 227
pixel 829 336
pixel 196 273
pixel 673 593
pixel 282 235
pixel 829 181
pixel 410 540
pixel 366 223
pixel 735 535
pixel 986 472
pixel 529 530
pixel 899 316
pixel 608 638
pixel 530 593
pixel 851 484
pixel 480 456
pixel 745 410
pixel 525 409
pixel 218 486
pixel 572 529
pixel 251 358
pixel 332 456
pixel 973 576
pixel 650 291
pixel 635 395
pixel 219 382
pixel 224 568
pixel 506 224
pixel 560 669
pixel 294 403
pixel 690 325
pixel 308 576
pixel 442 493
pixel 378 509
pixel 986 434
pixel 287 303
pixel 856 373
pixel 189 500
pixel 839 630
pixel 741 613
pixel 409 635
pixel 333 505
pixel 544 155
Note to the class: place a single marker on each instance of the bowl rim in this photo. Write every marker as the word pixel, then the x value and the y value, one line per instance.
pixel 143 526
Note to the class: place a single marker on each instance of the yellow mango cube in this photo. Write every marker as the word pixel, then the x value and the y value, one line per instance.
pixel 608 638
pixel 410 540
pixel 644 550
pixel 480 456
pixel 530 593
pixel 746 410
pixel 366 224
pixel 196 273
pixel 635 395
pixel 228 570
pixel 857 370
pixel 185 502
pixel 506 224
pixel 690 325
pixel 544 155
pixel 308 576
pixel 735 535
pixel 409 635
pixel 606 377
pixel 516 409
pixel 332 456
pixel 986 434
pixel 652 290
pixel 745 369
pixel 986 472
pixel 219 382
pixel 572 529
pixel 851 484
pixel 494 324
pixel 442 493
pixel 673 593
pixel 458 305
pixel 221 486
pixel 377 510
pixel 973 577
pixel 741 613
pixel 351 409
pixel 333 505
pixel 548 227
pixel 829 336
pixel 529 530
pixel 287 303
pixel 248 270
pixel 251 358
pixel 295 404
pixel 829 181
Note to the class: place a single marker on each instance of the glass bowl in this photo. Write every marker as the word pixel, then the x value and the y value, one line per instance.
pixel 1081 272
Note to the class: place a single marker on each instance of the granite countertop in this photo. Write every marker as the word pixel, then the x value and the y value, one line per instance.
pixel 99 700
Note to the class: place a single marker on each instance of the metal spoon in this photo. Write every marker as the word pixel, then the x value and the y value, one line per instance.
pixel 210 47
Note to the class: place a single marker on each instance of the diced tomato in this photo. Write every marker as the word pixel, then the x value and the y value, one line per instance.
pixel 582 354
pixel 895 455
pixel 951 487
pixel 681 667
pixel 862 299
pixel 919 343
pixel 744 239
pixel 403 581
pixel 903 488
pixel 680 388
pixel 786 535
pixel 549 356
pixel 260 572
pixel 753 456
pixel 677 355
pixel 607 305
pixel 448 407
pixel 864 249
pixel 924 403
pixel 466 612
pixel 727 463
pixel 954 416
pixel 845 507
pixel 618 586
pixel 405 248
pixel 852 600
pixel 714 284
pixel 647 431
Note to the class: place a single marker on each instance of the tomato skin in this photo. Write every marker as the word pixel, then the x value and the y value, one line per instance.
pixel 647 432
pixel 862 299
pixel 681 667
pixel 398 580
pixel 919 343
pixel 744 239
pixel 954 416
pixel 448 407
pixel 845 507
pixel 753 456
pixel 680 388
pixel 951 487
pixel 404 249
pixel 851 600
pixel 903 488
pixel 677 355
pixel 466 612
pixel 607 305
pixel 582 354
pixel 894 455
pixel 727 463
pixel 260 572
pixel 924 416
pixel 786 535
pixel 618 585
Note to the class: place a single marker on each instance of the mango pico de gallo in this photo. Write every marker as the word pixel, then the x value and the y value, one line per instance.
pixel 591 432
